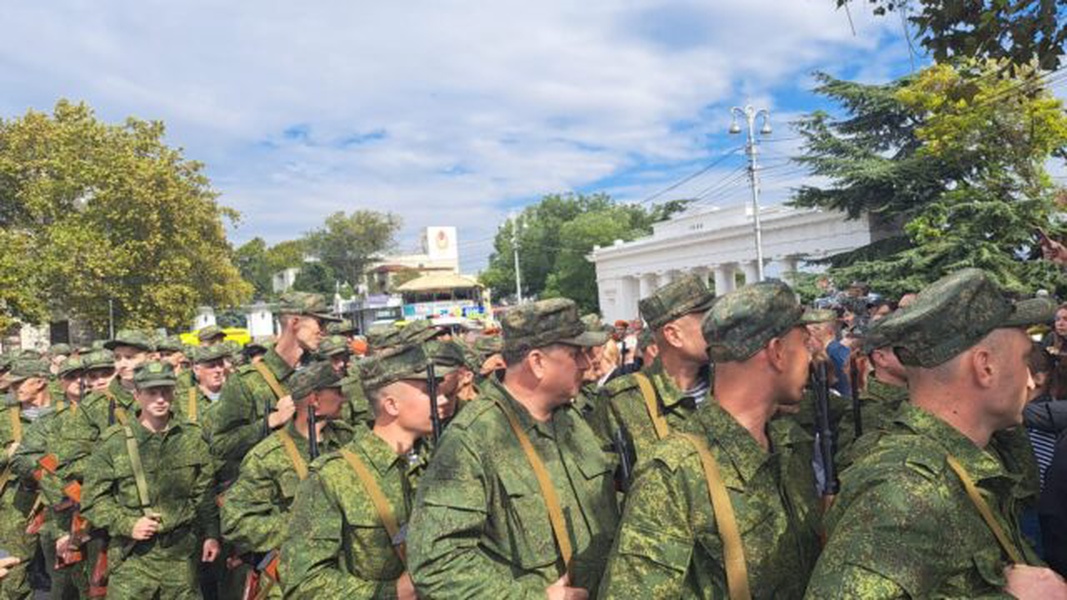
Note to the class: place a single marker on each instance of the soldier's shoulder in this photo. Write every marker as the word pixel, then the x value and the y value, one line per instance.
pixel 475 414
pixel 619 385
pixel 674 451
pixel 112 434
pixel 903 454
pixel 264 447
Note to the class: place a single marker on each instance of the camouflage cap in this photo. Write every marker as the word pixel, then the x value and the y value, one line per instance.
pixel 592 322
pixel 383 336
pixel 25 368
pixel 98 345
pixel 211 332
pixel 489 345
pixel 59 349
pixel 405 362
pixel 687 294
pixel 170 344
pixel 446 355
pixel 953 314
pixel 319 375
pixel 153 374
pixel 211 353
pixel 99 359
pixel 741 322
pixel 418 332
pixel 28 353
pixel 333 345
pixel 343 327
pixel 872 336
pixel 70 367
pixel 131 337
pixel 546 322
pixel 304 303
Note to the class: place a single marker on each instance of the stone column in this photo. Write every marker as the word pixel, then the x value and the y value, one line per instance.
pixel 701 272
pixel 750 271
pixel 724 279
pixel 663 279
pixel 789 269
pixel 628 296
pixel 647 284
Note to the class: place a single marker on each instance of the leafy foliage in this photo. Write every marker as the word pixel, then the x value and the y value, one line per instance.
pixel 346 244
pixel 91 211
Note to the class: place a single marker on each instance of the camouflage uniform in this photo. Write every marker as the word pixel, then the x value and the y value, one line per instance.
pixel 480 528
pixel 337 545
pixel 669 544
pixel 622 404
pixel 904 496
pixel 178 470
pixel 879 405
pixel 205 407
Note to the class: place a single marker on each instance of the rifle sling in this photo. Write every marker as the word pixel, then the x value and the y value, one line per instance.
pixel 725 522
pixel 289 446
pixel 15 413
pixel 984 510
pixel 191 407
pixel 138 470
pixel 381 503
pixel 652 404
pixel 548 492
pixel 271 380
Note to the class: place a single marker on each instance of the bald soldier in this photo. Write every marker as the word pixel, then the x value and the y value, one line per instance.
pixel 929 511
pixel 519 499
pixel 662 397
pixel 346 531
pixel 674 541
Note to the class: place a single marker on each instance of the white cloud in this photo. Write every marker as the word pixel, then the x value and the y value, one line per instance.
pixel 466 107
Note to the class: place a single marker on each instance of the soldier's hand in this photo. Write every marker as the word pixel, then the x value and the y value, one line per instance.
pixel 210 551
pixel 405 588
pixel 562 590
pixel 283 411
pixel 63 545
pixel 11 448
pixel 145 528
pixel 1042 583
pixel 6 564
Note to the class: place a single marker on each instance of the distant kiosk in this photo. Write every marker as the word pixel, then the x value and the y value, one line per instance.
pixel 443 298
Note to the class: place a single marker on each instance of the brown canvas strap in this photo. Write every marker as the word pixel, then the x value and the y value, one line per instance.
pixel 138 470
pixel 725 521
pixel 381 503
pixel 190 411
pixel 289 446
pixel 16 422
pixel 652 404
pixel 548 492
pixel 984 510
pixel 269 377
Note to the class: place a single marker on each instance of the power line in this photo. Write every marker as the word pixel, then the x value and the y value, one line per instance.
pixel 690 177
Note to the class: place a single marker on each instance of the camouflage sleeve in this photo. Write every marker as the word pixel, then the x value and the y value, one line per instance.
pixel 602 421
pixel 27 459
pixel 251 518
pixel 654 545
pixel 203 494
pixel 235 428
pixel 445 557
pixel 99 505
pixel 313 549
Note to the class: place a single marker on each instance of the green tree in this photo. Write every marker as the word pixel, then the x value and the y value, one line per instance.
pixel 104 212
pixel 956 156
pixel 554 237
pixel 316 276
pixel 251 260
pixel 1019 30
pixel 346 244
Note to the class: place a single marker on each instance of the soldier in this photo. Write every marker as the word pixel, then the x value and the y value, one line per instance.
pixel 457 385
pixel 647 405
pixel 753 526
pixel 19 494
pixel 210 335
pixel 344 328
pixel 148 485
pixel 334 348
pixel 113 404
pixel 519 499
pixel 930 511
pixel 346 532
pixel 199 402
pixel 255 400
pixel 489 349
pixel 99 369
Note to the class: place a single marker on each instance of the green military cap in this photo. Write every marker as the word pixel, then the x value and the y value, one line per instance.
pixel 211 332
pixel 405 362
pixel 318 375
pixel 211 353
pixel 98 345
pixel 154 374
pixel 489 345
pixel 259 346
pixel 383 336
pixel 131 337
pixel 304 303
pixel 741 322
pixel 25 368
pixel 449 354
pixel 333 345
pixel 84 349
pixel 70 366
pixel 170 344
pixel 418 332
pixel 28 354
pixel 99 359
pixel 592 322
pixel 688 294
pixel 59 349
pixel 546 322
pixel 953 314
pixel 344 327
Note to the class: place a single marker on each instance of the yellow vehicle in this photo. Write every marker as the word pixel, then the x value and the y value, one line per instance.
pixel 237 334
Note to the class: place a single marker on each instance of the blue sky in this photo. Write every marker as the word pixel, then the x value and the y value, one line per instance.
pixel 447 113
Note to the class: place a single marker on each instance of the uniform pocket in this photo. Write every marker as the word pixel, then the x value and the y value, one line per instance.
pixel 529 529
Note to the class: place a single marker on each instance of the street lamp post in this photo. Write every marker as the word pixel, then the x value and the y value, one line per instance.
pixel 515 247
pixel 750 114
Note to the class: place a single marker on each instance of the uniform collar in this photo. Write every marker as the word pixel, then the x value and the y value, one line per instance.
pixel 669 394
pixel 744 452
pixel 978 463
pixel 277 364
pixel 380 454
pixel 550 428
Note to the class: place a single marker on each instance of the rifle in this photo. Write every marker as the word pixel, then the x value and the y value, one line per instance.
pixel 824 435
pixel 431 385
pixel 262 577
pixel 78 525
pixel 313 434
pixel 624 447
